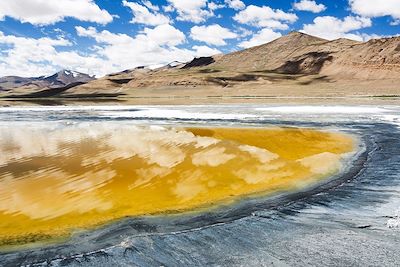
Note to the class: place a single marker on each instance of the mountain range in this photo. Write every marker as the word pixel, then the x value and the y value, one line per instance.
pixel 57 80
pixel 294 65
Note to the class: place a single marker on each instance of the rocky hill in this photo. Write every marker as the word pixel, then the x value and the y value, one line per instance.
pixel 272 55
pixel 299 53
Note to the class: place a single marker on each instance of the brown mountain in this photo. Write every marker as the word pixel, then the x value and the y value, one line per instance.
pixel 294 65
pixel 299 53
pixel 272 55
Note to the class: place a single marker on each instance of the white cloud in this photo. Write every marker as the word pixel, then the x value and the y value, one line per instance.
pixel 214 6
pixel 146 14
pixel 264 36
pixel 332 28
pixel 151 47
pixel 265 17
pixel 243 32
pixel 158 36
pixel 194 10
pixel 374 8
pixel 205 51
pixel 36 57
pixel 164 35
pixel 168 8
pixel 39 12
pixel 235 4
pixel 111 53
pixel 212 34
pixel 150 6
pixel 309 5
pixel 367 37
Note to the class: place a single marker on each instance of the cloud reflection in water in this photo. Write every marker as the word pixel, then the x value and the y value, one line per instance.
pixel 54 179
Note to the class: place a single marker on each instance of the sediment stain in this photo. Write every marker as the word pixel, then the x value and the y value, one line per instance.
pixel 54 181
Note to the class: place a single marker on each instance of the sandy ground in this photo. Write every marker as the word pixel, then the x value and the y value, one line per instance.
pixel 287 89
pixel 176 100
pixel 309 90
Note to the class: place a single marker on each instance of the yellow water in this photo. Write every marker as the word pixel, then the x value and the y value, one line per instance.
pixel 56 180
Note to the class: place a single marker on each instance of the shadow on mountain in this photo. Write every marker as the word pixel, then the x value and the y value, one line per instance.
pixel 316 80
pixel 224 81
pixel 199 62
pixel 209 71
pixel 48 92
pixel 57 92
pixel 310 63
pixel 120 81
pixel 272 76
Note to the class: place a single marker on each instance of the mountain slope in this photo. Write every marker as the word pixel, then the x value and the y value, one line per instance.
pixel 375 59
pixel 271 55
pixel 299 53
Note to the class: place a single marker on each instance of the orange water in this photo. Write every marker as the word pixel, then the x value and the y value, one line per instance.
pixel 54 181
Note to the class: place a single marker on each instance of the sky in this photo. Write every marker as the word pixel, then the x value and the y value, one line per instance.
pixel 98 37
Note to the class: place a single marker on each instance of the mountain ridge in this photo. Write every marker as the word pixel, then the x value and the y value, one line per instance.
pixel 292 62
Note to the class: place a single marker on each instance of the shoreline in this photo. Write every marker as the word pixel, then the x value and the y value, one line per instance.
pixel 217 100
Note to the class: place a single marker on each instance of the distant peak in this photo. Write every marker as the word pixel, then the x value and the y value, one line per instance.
pixel 175 64
pixel 296 33
pixel 302 34
pixel 70 72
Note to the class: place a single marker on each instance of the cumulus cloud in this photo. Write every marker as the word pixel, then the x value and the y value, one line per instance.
pixel 158 36
pixel 309 5
pixel 212 34
pixel 373 8
pixel 205 51
pixel 235 4
pixel 150 5
pixel 214 6
pixel 265 17
pixel 39 12
pixel 153 46
pixel 36 57
pixel 332 28
pixel 264 36
pixel 112 52
pixel 164 35
pixel 194 10
pixel 146 13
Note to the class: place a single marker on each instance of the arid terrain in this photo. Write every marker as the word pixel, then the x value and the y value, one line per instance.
pixel 295 66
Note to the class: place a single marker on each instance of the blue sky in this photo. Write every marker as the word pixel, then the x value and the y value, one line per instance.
pixel 98 37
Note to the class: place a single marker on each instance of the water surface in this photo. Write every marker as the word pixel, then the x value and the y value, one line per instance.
pixel 58 178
